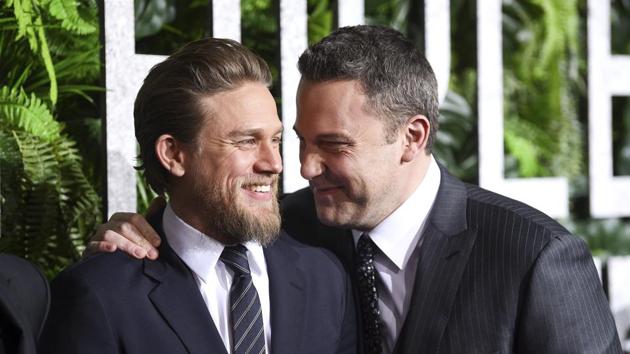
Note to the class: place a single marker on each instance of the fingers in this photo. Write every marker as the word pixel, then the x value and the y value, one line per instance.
pixel 139 226
pixel 127 232
pixel 94 247
pixel 131 233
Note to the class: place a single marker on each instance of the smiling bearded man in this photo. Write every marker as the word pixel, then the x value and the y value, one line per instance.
pixel 227 279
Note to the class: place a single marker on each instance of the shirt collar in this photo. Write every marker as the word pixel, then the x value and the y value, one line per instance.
pixel 201 252
pixel 402 229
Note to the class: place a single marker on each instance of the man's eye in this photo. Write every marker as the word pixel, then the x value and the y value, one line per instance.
pixel 277 139
pixel 335 144
pixel 247 142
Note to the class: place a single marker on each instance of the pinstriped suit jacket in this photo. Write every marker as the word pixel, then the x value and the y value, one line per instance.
pixel 494 276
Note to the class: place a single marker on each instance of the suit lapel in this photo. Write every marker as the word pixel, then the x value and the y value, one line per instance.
pixel 287 298
pixel 178 300
pixel 447 242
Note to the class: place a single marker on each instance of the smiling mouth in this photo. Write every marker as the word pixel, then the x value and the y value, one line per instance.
pixel 258 188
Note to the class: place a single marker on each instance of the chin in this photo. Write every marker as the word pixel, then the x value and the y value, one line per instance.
pixel 331 217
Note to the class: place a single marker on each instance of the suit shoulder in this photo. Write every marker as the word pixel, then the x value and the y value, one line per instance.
pixel 487 204
pixel 103 268
pixel 320 259
pixel 299 218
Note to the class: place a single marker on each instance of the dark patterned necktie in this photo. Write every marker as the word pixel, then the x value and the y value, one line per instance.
pixel 370 313
pixel 246 313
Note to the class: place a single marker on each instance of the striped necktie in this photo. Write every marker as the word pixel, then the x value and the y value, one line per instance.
pixel 246 313
pixel 370 312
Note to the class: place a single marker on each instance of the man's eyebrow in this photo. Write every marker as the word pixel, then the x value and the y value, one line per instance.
pixel 251 132
pixel 328 136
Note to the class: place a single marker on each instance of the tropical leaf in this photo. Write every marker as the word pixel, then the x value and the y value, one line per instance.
pixel 541 86
pixel 456 139
pixel 24 15
pixel 49 205
pixel 28 114
pixel 320 20
pixel 151 16
pixel 66 11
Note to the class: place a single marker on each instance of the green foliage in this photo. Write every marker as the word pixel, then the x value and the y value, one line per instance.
pixel 455 144
pixel 30 26
pixel 259 32
pixel 144 192
pixel 391 13
pixel 320 20
pixel 150 16
pixel 48 205
pixel 541 53
pixel 67 12
pixel 49 69
pixel 165 25
pixel 605 237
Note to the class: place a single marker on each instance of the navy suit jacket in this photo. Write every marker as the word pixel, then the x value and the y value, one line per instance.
pixel 112 303
pixel 494 276
pixel 24 297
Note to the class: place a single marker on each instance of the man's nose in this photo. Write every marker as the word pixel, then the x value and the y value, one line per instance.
pixel 269 159
pixel 312 164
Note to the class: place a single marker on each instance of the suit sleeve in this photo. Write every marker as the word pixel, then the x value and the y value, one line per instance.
pixel 77 322
pixel 565 309
pixel 348 340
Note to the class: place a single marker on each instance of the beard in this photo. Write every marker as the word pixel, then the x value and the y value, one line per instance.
pixel 226 214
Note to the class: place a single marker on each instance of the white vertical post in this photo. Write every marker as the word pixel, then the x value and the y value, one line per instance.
pixel 293 41
pixel 226 19
pixel 437 29
pixel 548 194
pixel 619 295
pixel 608 75
pixel 120 143
pixel 350 12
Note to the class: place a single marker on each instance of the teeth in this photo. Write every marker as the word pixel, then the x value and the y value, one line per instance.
pixel 260 188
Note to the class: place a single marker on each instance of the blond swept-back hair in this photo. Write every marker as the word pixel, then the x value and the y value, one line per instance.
pixel 169 101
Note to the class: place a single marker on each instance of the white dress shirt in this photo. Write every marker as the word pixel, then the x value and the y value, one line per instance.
pixel 397 238
pixel 201 254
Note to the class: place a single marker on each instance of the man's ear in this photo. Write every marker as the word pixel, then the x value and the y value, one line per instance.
pixel 171 154
pixel 416 135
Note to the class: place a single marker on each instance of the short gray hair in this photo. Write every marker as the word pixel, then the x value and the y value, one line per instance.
pixel 394 75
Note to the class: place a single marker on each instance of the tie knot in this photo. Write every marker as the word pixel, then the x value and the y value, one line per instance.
pixel 235 257
pixel 366 247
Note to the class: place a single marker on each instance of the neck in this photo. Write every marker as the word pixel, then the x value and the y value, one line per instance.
pixel 416 172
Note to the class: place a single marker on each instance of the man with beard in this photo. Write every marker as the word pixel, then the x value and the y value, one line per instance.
pixel 227 279
pixel 439 266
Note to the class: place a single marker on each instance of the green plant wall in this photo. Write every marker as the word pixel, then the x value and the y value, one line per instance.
pixel 49 74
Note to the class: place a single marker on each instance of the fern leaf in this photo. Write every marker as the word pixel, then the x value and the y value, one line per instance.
pixel 66 11
pixel 28 114
pixel 48 63
pixel 24 14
